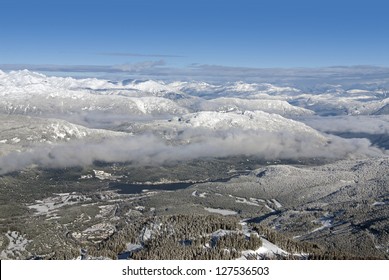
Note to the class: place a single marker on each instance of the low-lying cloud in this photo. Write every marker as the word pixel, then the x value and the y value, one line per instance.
pixel 152 150
pixel 353 124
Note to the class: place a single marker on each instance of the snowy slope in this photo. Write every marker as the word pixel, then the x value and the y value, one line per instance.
pixel 19 132
pixel 167 121
pixel 280 107
pixel 235 126
pixel 247 120
pixel 25 92
pixel 151 86
pixel 36 81
pixel 231 89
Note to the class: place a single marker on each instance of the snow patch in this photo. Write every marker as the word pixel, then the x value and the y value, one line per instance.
pixel 378 203
pixel 130 247
pixel 276 203
pixel 196 194
pixel 223 212
pixel 269 208
pixel 96 233
pixel 106 210
pixel 15 140
pixel 17 244
pixel 51 204
pixel 326 221
pixel 244 201
pixel 102 175
pixel 267 249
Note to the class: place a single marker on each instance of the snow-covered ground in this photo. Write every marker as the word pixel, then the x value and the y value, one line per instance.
pixel 96 233
pixel 224 212
pixel 16 246
pixel 197 194
pixel 48 206
pixel 326 223
pixel 267 249
pixel 245 201
pixel 102 175
pixel 380 203
pixel 106 210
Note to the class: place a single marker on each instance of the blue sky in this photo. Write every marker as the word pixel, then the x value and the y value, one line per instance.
pixel 244 33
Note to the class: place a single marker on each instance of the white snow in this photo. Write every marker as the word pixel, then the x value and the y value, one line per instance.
pixel 27 92
pixel 269 208
pixel 17 244
pixel 96 233
pixel 277 204
pixel 257 200
pixel 100 227
pixel 130 247
pixel 221 233
pixel 102 175
pixel 151 86
pixel 269 249
pixel 240 87
pixel 196 194
pixel 244 201
pixel 180 112
pixel 224 212
pixel 357 91
pixel 280 107
pixel 106 210
pixel 326 221
pixel 15 140
pixel 378 203
pixel 51 204
pixel 146 234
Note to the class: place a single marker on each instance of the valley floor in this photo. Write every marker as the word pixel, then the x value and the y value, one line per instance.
pixel 327 211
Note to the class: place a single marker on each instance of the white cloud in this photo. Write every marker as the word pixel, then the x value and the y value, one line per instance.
pixel 150 150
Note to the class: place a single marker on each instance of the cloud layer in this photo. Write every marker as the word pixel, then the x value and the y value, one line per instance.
pixel 151 150
pixel 178 135
pixel 353 124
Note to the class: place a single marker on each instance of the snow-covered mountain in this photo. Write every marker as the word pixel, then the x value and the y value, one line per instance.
pixel 239 88
pixel 19 132
pixel 30 86
pixel 29 93
pixel 205 125
pixel 34 81
pixel 280 107
pixel 247 120
pixel 227 118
